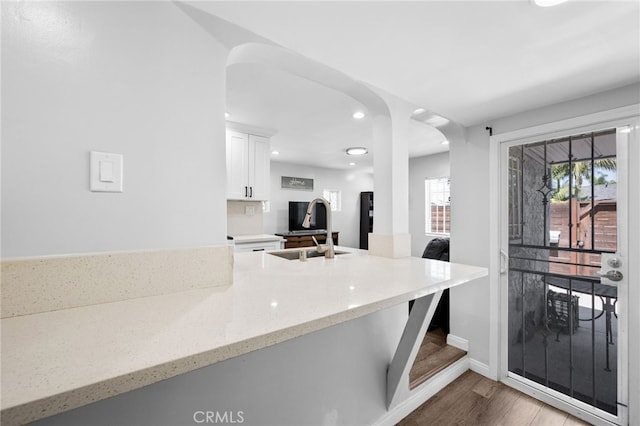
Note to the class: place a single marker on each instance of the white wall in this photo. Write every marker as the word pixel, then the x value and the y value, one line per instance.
pixel 138 79
pixel 351 183
pixel 471 209
pixel 421 168
pixel 469 307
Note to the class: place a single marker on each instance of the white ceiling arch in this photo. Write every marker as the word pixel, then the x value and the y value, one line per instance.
pixel 296 64
pixel 309 104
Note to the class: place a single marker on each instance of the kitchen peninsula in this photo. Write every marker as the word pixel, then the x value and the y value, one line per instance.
pixel 59 360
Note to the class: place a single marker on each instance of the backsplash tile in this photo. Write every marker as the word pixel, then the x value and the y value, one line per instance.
pixel 239 223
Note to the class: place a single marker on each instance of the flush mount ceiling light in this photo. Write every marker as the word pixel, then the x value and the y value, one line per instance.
pixel 358 115
pixel 445 142
pixel 227 115
pixel 436 120
pixel 357 150
pixel 352 163
pixel 274 152
pixel 547 3
pixel 419 111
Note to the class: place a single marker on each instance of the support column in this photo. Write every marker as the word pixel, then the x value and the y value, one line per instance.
pixel 390 237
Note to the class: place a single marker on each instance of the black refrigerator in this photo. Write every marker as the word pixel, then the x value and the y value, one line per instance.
pixel 366 218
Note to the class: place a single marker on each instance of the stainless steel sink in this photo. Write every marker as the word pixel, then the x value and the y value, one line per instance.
pixel 294 255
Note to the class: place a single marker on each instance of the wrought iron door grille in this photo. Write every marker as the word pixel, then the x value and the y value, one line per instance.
pixel 562 212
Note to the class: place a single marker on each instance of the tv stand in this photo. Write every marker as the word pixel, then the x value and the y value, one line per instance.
pixel 296 239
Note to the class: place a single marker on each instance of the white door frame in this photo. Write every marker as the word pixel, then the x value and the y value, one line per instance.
pixel 497 294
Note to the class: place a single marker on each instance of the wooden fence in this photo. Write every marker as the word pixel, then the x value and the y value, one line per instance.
pixel 440 219
pixel 605 231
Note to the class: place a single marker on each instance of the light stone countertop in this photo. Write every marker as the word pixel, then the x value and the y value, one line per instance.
pixel 56 361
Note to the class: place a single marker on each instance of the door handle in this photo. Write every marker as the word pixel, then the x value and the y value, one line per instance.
pixel 251 192
pixel 612 275
pixel 504 261
pixel 246 191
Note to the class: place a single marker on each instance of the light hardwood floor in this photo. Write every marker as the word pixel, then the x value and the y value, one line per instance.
pixel 473 399
pixel 433 356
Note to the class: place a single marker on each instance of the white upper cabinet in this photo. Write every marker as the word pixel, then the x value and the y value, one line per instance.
pixel 248 166
pixel 259 167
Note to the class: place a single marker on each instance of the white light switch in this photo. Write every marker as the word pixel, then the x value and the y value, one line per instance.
pixel 106 172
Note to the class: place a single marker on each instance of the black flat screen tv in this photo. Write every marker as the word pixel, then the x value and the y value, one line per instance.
pixel 297 211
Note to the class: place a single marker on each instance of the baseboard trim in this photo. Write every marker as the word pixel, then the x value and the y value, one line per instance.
pixel 480 368
pixel 423 392
pixel 458 342
pixel 576 408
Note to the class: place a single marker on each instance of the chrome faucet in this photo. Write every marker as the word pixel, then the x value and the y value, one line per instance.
pixel 327 248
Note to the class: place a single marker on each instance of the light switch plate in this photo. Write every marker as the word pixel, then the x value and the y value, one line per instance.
pixel 106 172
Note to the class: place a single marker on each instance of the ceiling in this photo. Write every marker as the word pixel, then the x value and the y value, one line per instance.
pixel 314 124
pixel 468 61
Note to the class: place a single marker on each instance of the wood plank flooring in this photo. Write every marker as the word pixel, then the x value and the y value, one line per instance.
pixel 433 356
pixel 473 399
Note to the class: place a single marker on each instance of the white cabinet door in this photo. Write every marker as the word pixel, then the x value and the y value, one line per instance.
pixel 259 168
pixel 237 165
pixel 248 166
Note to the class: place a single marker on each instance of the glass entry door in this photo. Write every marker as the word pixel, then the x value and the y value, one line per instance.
pixel 563 233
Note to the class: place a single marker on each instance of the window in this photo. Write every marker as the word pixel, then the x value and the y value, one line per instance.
pixel 437 206
pixel 335 198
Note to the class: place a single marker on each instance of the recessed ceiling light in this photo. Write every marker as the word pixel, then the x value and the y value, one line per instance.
pixel 274 152
pixel 436 121
pixel 358 115
pixel 547 3
pixel 445 142
pixel 352 163
pixel 227 115
pixel 357 150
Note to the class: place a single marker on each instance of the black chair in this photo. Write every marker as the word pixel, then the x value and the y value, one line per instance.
pixel 438 249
